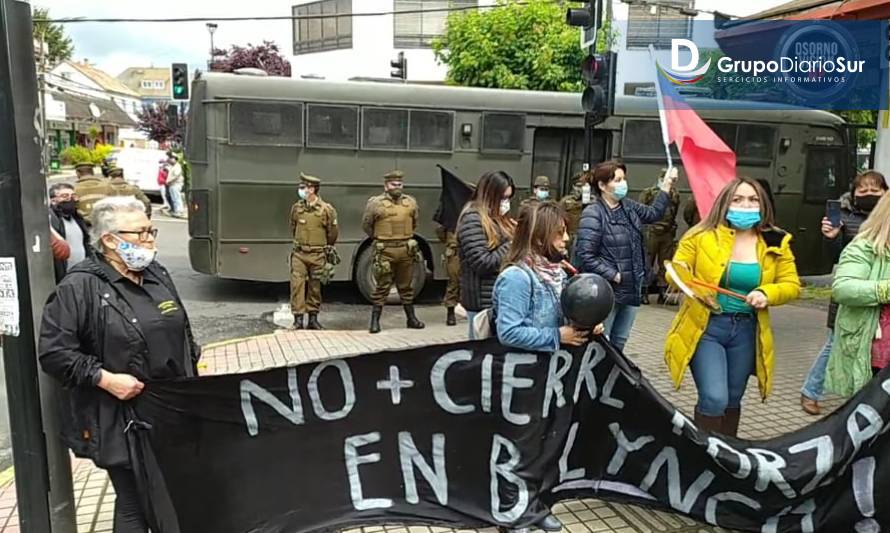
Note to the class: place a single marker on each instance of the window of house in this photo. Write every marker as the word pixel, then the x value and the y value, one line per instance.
pixel 384 128
pixel 726 132
pixel 266 123
pixel 657 25
pixel 417 30
pixel 431 131
pixel 503 132
pixel 332 126
pixel 320 34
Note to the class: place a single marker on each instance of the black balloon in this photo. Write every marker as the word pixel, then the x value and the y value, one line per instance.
pixel 587 300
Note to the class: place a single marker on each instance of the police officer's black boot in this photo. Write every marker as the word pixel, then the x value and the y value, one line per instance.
pixel 413 323
pixel 451 320
pixel 375 319
pixel 313 321
pixel 298 321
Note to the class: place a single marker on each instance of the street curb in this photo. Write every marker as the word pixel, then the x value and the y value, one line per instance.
pixel 7 476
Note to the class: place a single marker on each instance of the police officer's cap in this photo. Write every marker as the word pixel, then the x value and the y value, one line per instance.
pixel 116 172
pixel 309 180
pixel 83 165
pixel 394 175
pixel 542 181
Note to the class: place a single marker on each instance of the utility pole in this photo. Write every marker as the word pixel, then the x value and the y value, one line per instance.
pixel 42 466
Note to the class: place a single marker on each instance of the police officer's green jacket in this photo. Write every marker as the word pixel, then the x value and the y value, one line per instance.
pixel 668 223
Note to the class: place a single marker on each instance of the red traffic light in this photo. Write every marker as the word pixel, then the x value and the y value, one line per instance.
pixel 594 68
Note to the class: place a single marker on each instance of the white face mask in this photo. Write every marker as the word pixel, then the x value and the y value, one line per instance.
pixel 505 206
pixel 134 256
pixel 585 193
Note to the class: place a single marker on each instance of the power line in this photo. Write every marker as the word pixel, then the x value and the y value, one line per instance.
pixel 73 20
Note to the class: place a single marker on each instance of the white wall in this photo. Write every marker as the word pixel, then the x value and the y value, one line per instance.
pixel 78 83
pixel 372 50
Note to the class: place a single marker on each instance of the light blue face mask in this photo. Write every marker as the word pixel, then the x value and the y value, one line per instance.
pixel 620 190
pixel 542 194
pixel 743 217
pixel 303 193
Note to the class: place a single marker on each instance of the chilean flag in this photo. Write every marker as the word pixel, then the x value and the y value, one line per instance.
pixel 709 163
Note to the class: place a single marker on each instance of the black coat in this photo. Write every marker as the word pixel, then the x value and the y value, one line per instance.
pixel 611 242
pixel 60 266
pixel 87 326
pixel 479 265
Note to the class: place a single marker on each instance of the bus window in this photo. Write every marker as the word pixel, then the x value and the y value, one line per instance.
pixel 384 128
pixel 503 132
pixel 266 123
pixel 756 142
pixel 431 131
pixel 824 166
pixel 726 132
pixel 642 138
pixel 332 126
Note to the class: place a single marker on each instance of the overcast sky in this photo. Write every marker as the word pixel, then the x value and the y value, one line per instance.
pixel 117 46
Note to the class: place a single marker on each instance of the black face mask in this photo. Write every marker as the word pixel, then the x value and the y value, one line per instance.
pixel 556 256
pixel 67 208
pixel 866 203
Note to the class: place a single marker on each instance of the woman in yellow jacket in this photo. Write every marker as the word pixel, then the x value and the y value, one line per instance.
pixel 737 247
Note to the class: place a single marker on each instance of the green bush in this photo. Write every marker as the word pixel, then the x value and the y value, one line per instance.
pixel 78 154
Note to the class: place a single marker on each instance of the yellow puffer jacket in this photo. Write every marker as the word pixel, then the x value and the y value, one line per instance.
pixel 708 253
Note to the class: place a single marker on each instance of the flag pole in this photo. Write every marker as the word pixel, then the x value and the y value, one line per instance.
pixel 665 138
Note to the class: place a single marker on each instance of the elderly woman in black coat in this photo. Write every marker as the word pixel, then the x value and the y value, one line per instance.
pixel 114 322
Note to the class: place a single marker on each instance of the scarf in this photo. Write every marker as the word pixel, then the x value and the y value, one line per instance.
pixel 550 273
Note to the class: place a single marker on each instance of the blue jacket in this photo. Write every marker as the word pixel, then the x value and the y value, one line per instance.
pixel 527 312
pixel 610 241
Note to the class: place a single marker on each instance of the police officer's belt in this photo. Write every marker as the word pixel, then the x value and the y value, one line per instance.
pixel 393 244
pixel 308 248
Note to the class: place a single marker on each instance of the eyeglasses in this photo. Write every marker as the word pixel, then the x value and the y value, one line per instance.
pixel 142 233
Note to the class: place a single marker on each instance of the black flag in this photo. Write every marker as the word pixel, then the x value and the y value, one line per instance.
pixel 455 194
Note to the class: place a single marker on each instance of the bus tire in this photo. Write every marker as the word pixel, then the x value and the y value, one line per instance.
pixel 364 274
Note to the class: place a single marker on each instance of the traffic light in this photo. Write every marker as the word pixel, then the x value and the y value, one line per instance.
pixel 399 67
pixel 598 73
pixel 179 76
pixel 585 17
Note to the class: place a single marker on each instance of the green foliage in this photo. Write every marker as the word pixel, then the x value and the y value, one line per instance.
pixel 866 116
pixel 514 46
pixel 59 44
pixel 81 154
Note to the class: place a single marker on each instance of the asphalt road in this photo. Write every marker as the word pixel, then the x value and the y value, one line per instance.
pixel 221 309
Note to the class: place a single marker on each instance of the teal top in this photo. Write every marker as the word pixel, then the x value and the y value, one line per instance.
pixel 741 278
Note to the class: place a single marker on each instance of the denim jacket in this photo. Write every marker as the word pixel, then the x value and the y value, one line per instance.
pixel 527 312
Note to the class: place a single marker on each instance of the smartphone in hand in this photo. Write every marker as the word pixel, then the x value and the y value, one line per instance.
pixel 833 212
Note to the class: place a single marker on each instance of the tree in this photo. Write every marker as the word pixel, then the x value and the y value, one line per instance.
pixel 153 121
pixel 266 56
pixel 59 45
pixel 868 117
pixel 512 46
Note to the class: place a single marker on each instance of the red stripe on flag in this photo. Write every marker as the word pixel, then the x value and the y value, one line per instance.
pixel 708 162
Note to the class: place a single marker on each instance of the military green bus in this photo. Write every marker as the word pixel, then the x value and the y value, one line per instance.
pixel 250 137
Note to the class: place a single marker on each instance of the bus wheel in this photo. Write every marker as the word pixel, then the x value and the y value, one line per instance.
pixel 364 276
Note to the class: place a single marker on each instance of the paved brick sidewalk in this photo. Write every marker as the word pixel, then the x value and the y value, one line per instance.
pixel 799 334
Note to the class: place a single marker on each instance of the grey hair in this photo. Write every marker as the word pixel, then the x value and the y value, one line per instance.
pixel 104 216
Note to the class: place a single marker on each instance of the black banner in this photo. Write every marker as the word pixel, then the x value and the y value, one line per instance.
pixel 473 434
pixel 455 194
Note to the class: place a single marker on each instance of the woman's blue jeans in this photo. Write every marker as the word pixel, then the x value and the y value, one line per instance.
pixel 723 360
pixel 814 385
pixel 619 323
pixel 470 316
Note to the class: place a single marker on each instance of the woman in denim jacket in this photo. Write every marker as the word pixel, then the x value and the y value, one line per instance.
pixel 526 301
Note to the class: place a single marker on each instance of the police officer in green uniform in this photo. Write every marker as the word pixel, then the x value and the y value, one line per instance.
pixel 660 243
pixel 540 192
pixel 89 189
pixel 120 187
pixel 313 224
pixel 575 202
pixel 452 270
pixel 391 219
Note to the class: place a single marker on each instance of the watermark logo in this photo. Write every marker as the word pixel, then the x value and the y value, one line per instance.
pixel 689 73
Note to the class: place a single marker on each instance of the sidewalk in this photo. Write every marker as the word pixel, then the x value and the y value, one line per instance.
pixel 799 334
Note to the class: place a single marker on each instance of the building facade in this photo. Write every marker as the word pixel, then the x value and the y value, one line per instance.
pixel 152 84
pixel 363 46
